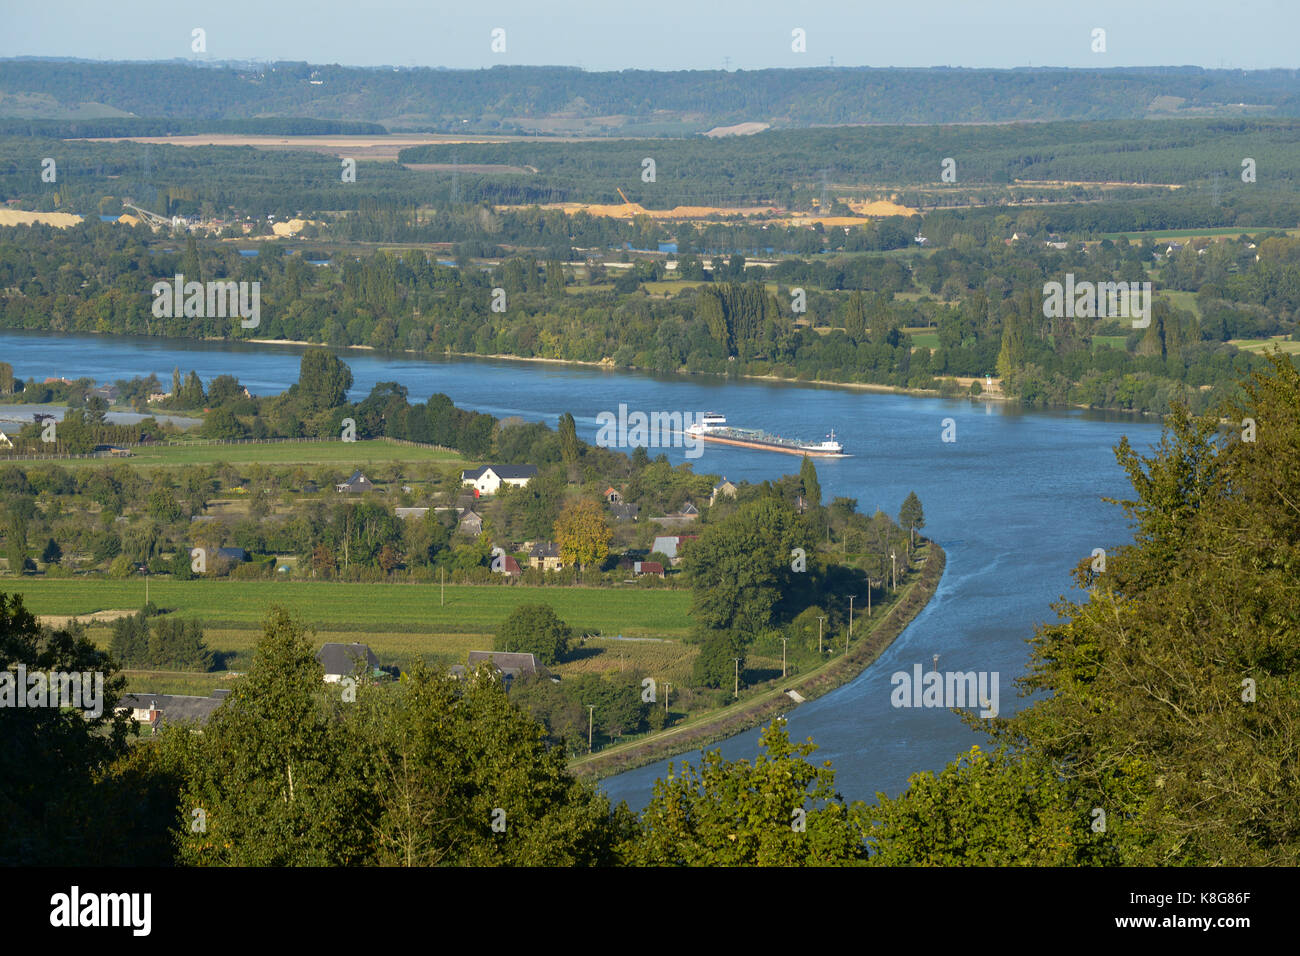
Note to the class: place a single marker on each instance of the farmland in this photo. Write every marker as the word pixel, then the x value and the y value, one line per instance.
pixel 277 453
pixel 398 621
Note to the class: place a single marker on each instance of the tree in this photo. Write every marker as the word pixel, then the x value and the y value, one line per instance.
pixel 275 777
pixel 812 489
pixel 740 567
pixel 221 423
pixel 780 811
pixel 582 533
pixel 52 759
pixel 716 665
pixel 569 445
pixel 323 381
pixel 535 629
pixel 911 516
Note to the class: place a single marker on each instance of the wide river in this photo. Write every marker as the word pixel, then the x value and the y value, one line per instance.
pixel 1015 501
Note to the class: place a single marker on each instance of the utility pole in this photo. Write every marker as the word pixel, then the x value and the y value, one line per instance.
pixel 819 634
pixel 146 584
pixel 894 564
pixel 591 719
pixel 868 595
pixel 668 689
pixel 851 597
pixel 442 591
pixel 783 640
pixel 736 692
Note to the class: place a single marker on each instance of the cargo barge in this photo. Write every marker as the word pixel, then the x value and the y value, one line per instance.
pixel 713 427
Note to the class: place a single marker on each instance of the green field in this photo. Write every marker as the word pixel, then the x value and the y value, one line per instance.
pixel 1288 346
pixel 1183 300
pixel 366 608
pixel 1113 341
pixel 1161 235
pixel 278 453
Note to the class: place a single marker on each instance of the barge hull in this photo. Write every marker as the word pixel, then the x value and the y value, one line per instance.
pixel 762 446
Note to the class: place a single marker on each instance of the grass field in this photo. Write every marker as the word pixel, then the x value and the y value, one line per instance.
pixel 1113 341
pixel 1259 345
pixel 1183 300
pixel 924 338
pixel 399 621
pixel 278 453
pixel 1162 234
pixel 366 607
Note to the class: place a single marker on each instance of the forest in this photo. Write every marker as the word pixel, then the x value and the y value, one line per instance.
pixel 509 97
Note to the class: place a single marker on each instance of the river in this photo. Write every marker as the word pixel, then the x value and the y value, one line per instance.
pixel 1015 501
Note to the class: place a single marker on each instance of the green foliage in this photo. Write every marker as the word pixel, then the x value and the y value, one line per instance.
pixel 780 811
pixel 740 567
pixel 535 629
pixel 52 759
pixel 163 642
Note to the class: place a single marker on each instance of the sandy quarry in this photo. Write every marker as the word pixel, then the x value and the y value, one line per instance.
pixel 19 217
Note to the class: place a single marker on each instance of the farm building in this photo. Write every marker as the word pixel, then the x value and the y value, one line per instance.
pixel 489 479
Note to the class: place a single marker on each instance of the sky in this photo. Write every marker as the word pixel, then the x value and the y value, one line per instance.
pixel 666 34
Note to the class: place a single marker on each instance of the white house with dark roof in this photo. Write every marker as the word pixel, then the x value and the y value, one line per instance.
pixel 489 479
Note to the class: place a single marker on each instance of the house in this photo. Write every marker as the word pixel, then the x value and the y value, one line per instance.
pixel 5 441
pixel 489 479
pixel 471 523
pixel 233 554
pixel 406 514
pixel 624 512
pixel 545 555
pixel 612 496
pixel 647 567
pixel 670 544
pixel 355 485
pixel 157 709
pixel 724 487
pixel 510 567
pixel 342 660
pixel 108 393
pixel 675 519
pixel 510 663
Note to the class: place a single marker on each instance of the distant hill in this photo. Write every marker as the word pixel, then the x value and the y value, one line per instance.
pixel 564 100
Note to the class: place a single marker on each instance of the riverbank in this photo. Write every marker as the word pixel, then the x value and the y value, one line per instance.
pixel 719 725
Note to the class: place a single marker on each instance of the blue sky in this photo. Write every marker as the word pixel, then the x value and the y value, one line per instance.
pixel 668 34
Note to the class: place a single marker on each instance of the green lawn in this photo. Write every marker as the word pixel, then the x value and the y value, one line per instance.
pixel 1182 300
pixel 278 453
pixel 366 608
pixel 1113 341
pixel 1259 345
pixel 1161 235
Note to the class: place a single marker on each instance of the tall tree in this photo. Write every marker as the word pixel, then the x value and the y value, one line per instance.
pixel 583 533
pixel 569 445
pixel 812 489
pixel 911 516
